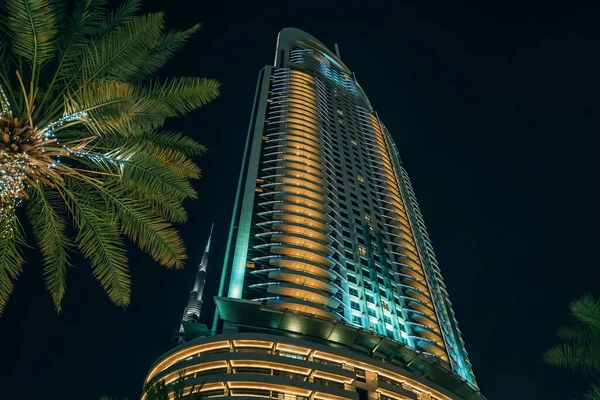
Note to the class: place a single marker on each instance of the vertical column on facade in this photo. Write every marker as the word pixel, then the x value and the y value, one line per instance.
pixel 403 255
pixel 452 337
pixel 297 270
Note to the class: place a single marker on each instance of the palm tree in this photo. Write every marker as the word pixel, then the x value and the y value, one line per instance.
pixel 82 149
pixel 580 347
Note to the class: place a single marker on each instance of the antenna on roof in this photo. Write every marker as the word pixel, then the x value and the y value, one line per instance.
pixel 337 51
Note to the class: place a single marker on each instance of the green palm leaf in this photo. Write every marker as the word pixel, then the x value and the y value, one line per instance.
pixel 119 55
pixel 11 260
pixel 47 218
pixel 140 223
pixel 32 28
pixel 181 95
pixel 580 347
pixel 99 241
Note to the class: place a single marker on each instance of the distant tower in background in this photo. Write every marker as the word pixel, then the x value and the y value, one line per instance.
pixel 194 307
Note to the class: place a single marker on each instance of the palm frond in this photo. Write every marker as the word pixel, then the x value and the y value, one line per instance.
pixel 165 47
pixel 593 393
pixel 119 54
pixel 72 41
pixel 99 240
pixel 181 95
pixel 11 258
pixel 49 228
pixel 31 25
pixel 587 310
pixel 173 140
pixel 150 232
pixel 106 104
pixel 582 359
pixel 578 334
pixel 122 14
pixel 150 175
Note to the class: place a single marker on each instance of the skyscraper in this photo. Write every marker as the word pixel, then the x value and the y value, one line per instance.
pixel 192 311
pixel 330 288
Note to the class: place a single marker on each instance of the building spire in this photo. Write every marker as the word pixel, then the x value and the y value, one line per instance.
pixel 194 306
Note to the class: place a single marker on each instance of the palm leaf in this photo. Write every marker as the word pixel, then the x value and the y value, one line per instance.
pixel 150 232
pixel 181 95
pixel 49 228
pixel 587 310
pixel 164 48
pixel 87 17
pixel 122 14
pixel 578 334
pixel 149 175
pixel 583 359
pixel 593 393
pixel 119 55
pixel 99 241
pixel 11 259
pixel 31 25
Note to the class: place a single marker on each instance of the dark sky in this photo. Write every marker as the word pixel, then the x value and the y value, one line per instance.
pixel 495 110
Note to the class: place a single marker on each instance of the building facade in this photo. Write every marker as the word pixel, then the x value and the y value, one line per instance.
pixel 330 288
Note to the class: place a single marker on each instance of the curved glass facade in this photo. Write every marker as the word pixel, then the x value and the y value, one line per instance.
pixel 327 244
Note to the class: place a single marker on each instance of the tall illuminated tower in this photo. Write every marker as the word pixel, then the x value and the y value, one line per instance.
pixel 330 288
pixel 194 307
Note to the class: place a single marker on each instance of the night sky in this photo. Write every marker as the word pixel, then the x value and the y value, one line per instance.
pixel 495 110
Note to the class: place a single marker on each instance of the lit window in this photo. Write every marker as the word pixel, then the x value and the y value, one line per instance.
pixel 360 178
pixel 353 142
pixel 385 306
pixel 259 190
pixel 371 228
pixel 250 265
pixel 341 121
pixel 367 218
pixel 340 112
pixel 362 250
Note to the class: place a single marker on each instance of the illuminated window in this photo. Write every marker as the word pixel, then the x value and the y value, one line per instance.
pixel 341 121
pixel 250 264
pixel 259 190
pixel 371 228
pixel 340 112
pixel 385 307
pixel 265 137
pixel 353 142
pixel 360 178
pixel 367 218
pixel 362 250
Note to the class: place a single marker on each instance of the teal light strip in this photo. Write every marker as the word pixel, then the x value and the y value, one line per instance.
pixel 238 267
